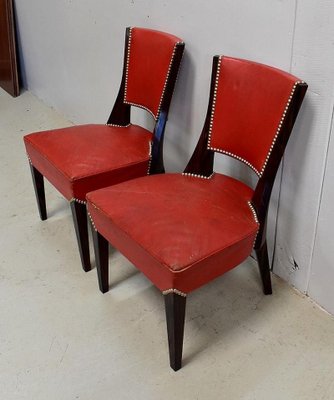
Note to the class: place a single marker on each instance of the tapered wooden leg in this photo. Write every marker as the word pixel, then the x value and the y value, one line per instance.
pixel 263 261
pixel 101 250
pixel 175 312
pixel 79 214
pixel 38 181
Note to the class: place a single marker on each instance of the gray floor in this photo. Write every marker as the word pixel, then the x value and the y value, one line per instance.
pixel 60 338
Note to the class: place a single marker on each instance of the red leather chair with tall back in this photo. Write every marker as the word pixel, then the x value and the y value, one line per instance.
pixel 83 158
pixel 184 230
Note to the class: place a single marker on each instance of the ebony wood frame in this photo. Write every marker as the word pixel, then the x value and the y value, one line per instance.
pixel 120 115
pixel 201 163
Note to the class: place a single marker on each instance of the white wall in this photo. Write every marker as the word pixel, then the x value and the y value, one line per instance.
pixel 304 164
pixel 72 59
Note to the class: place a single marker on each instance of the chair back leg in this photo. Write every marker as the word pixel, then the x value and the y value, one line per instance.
pixel 263 261
pixel 38 181
pixel 79 214
pixel 175 306
pixel 101 250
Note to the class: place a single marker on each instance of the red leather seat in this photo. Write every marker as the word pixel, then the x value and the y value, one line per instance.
pixel 183 230
pixel 83 158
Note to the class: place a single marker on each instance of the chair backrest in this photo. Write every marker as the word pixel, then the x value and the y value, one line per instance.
pixel 151 64
pixel 251 113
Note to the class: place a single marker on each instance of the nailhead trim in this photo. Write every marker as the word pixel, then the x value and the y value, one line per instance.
pixel 127 76
pixel 214 103
pixel 150 158
pixel 167 77
pixel 253 212
pixel 127 65
pixel 119 126
pixel 30 162
pixel 259 173
pixel 256 219
pixel 174 291
pixel 91 220
pixel 280 124
pixel 77 201
pixel 198 176
pixel 237 157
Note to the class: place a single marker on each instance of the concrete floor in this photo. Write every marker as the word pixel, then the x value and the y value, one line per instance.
pixel 60 338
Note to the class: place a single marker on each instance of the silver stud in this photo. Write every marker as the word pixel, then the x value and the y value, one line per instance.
pixel 176 291
pixel 119 126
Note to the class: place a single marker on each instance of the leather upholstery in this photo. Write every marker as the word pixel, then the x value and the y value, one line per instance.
pixel 181 231
pixel 88 157
pixel 146 47
pixel 248 119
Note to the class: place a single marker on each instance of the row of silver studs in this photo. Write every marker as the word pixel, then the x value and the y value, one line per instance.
pixel 91 220
pixel 167 77
pixel 178 71
pixel 238 158
pixel 77 200
pixel 280 125
pixel 198 176
pixel 214 102
pixel 30 162
pixel 150 158
pixel 141 106
pixel 253 212
pixel 119 126
pixel 127 65
pixel 256 220
pixel 174 291
pixel 259 173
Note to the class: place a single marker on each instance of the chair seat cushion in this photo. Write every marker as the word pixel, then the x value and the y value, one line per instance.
pixel 181 231
pixel 83 158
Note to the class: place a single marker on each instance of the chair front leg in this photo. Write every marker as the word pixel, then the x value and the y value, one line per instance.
pixel 101 250
pixel 175 306
pixel 79 214
pixel 38 181
pixel 263 261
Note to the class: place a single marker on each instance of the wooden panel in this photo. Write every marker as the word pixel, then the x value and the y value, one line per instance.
pixel 8 65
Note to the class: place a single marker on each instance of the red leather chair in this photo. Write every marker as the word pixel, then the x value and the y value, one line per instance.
pixel 184 230
pixel 83 158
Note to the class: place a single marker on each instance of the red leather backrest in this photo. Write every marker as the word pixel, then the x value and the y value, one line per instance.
pixel 150 54
pixel 249 106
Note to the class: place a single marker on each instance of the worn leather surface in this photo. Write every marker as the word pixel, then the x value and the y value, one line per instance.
pixel 87 157
pixel 180 231
pixel 149 59
pixel 246 120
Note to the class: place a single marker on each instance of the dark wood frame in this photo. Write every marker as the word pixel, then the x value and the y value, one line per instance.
pixel 120 115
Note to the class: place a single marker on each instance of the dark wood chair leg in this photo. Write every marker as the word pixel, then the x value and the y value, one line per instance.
pixel 263 261
pixel 101 250
pixel 79 214
pixel 38 181
pixel 175 312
